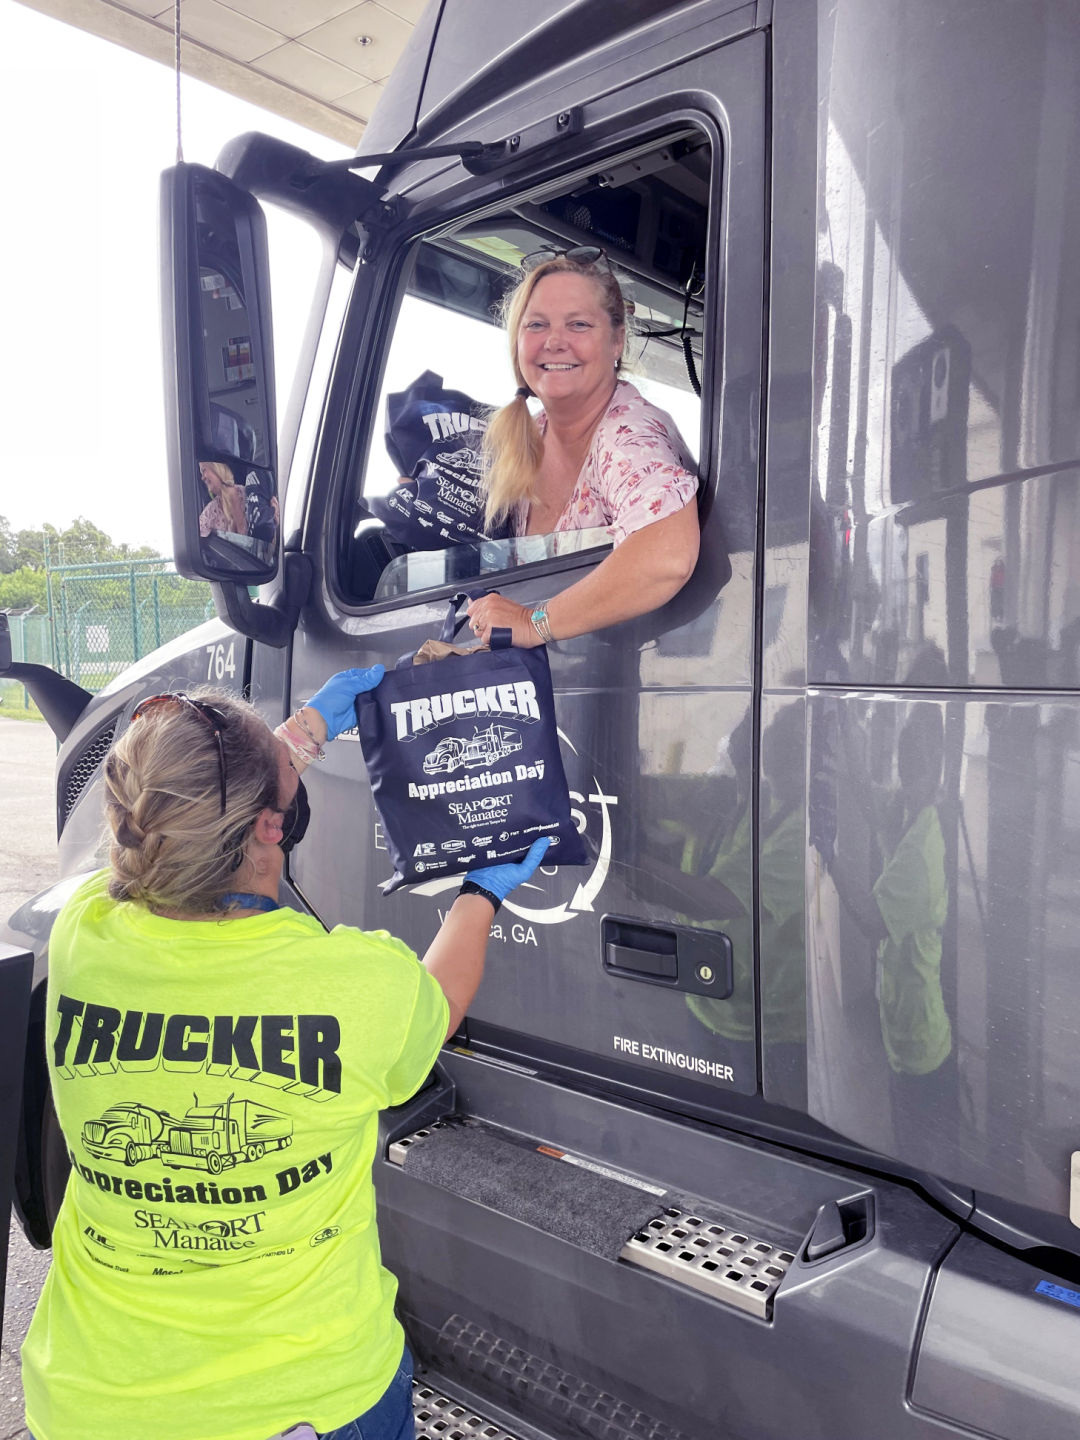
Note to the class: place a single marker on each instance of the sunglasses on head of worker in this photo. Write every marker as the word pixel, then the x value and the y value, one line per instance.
pixel 210 715
pixel 583 255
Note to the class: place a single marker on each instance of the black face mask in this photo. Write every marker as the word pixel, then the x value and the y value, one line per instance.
pixel 295 822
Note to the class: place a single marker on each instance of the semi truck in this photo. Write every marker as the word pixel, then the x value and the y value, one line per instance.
pixel 483 747
pixel 814 998
pixel 218 1136
pixel 208 1137
pixel 127 1132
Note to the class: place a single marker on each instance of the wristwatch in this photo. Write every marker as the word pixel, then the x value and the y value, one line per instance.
pixel 539 618
pixel 470 887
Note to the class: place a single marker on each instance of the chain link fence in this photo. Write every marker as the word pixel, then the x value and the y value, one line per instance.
pixel 100 618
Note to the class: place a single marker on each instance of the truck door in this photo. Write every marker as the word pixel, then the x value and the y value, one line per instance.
pixel 667 172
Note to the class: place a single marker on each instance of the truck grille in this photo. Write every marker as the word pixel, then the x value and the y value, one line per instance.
pixel 85 767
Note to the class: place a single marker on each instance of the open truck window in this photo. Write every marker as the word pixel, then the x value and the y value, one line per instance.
pixel 650 214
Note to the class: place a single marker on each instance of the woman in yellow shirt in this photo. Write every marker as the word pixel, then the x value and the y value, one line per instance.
pixel 218 1064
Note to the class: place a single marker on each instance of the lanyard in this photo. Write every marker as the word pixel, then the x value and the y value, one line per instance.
pixel 248 901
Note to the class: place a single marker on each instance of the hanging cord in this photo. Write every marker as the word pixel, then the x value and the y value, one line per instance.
pixel 688 352
pixel 176 66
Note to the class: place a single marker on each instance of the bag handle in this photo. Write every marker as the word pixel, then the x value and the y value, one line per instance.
pixel 453 622
pixel 502 637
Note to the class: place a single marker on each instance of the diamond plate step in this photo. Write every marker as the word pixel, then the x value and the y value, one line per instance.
pixel 438 1417
pixel 707 1253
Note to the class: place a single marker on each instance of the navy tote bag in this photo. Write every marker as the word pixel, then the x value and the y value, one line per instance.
pixel 434 436
pixel 463 758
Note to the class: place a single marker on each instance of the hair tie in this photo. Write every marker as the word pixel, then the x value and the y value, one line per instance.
pixel 522 392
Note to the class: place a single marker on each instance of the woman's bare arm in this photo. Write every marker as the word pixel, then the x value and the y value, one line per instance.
pixel 643 573
pixel 456 956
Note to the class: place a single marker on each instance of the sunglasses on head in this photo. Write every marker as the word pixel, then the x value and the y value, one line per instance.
pixel 210 716
pixel 579 254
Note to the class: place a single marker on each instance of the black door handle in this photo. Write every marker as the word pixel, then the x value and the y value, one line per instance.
pixel 680 957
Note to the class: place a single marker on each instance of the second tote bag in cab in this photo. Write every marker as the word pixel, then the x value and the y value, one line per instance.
pixel 463 758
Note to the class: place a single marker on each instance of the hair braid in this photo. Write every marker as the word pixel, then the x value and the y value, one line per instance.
pixel 172 848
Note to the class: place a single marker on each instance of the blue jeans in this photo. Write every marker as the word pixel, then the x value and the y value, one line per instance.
pixel 390 1418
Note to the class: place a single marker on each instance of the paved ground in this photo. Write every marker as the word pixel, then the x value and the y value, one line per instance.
pixel 27 865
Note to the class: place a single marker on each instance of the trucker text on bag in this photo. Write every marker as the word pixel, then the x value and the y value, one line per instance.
pixel 434 437
pixel 463 756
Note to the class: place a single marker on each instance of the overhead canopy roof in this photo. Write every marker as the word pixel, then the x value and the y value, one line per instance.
pixel 320 63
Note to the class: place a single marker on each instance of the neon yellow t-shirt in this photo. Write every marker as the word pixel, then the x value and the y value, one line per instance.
pixel 216 1270
pixel 913 897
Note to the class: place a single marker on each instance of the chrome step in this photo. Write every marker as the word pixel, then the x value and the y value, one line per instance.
pixel 708 1253
pixel 438 1417
pixel 396 1152
pixel 712 1256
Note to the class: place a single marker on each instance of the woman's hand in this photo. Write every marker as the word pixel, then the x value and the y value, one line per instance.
pixel 335 701
pixel 496 612
pixel 499 880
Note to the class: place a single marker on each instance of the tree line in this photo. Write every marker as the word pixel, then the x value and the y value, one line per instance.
pixel 22 564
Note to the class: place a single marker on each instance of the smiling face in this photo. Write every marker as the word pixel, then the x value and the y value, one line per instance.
pixel 567 348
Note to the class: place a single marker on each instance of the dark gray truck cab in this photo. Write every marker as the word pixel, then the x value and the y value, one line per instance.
pixel 849 1172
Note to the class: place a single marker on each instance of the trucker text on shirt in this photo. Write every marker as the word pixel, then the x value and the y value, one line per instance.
pixel 416 717
pixel 298 1053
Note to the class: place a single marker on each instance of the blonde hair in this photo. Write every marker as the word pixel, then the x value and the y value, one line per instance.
pixel 231 497
pixel 513 446
pixel 172 848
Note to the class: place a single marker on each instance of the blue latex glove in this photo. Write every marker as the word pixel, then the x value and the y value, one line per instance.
pixel 334 701
pixel 499 880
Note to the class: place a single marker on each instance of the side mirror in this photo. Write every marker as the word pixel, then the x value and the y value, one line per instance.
pixel 219 379
pixel 59 699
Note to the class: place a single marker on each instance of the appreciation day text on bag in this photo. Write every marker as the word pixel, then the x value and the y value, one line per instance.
pixel 463 757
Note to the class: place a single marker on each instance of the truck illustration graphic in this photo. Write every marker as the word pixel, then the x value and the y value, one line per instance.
pixel 485 747
pixel 129 1132
pixel 209 1137
pixel 463 461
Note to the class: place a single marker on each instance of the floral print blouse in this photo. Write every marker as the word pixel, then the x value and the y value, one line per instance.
pixel 213 518
pixel 637 470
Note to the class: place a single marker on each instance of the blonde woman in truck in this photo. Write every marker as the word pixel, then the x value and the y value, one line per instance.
pixel 225 510
pixel 597 454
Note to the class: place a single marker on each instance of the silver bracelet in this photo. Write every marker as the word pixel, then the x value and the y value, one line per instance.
pixel 541 624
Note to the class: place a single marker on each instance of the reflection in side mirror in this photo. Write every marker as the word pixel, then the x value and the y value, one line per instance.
pixel 238 524
pixel 219 379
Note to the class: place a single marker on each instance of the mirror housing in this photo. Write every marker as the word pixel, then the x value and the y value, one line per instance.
pixel 219 379
pixel 59 699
